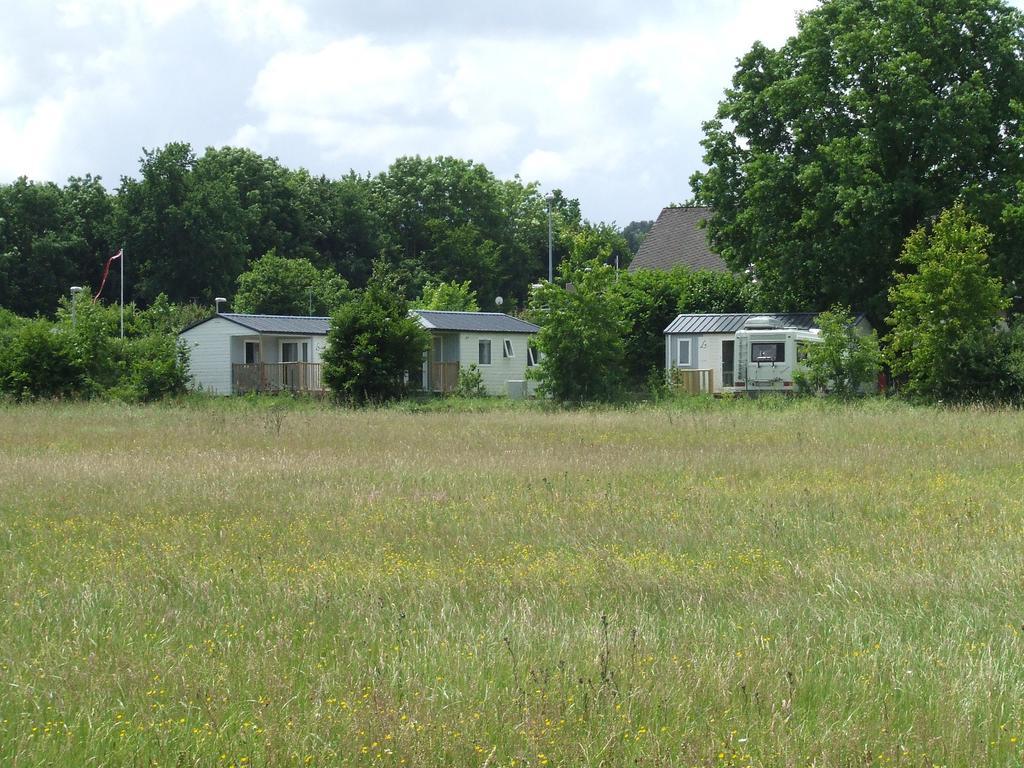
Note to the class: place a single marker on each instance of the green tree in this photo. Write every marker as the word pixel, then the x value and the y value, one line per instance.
pixel 602 242
pixel 825 154
pixel 635 232
pixel 946 311
pixel 341 225
pixel 185 231
pixel 373 343
pixel 845 360
pixel 453 297
pixel 582 327
pixel 652 298
pixel 274 285
pixel 50 239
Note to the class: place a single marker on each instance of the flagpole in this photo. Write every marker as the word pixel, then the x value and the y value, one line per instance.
pixel 122 292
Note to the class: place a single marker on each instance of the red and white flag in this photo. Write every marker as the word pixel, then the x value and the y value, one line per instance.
pixel 106 272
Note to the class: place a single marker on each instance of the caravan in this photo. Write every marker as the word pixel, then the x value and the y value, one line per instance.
pixel 767 354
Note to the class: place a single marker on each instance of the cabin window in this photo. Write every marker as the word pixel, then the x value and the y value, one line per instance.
pixel 294 351
pixel 252 352
pixel 684 353
pixel 531 355
pixel 485 352
pixel 507 350
pixel 768 352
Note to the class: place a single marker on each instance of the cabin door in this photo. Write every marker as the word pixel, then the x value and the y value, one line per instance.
pixel 728 363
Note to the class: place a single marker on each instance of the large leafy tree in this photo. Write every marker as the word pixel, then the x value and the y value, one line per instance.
pixel 946 311
pixel 185 232
pixel 51 238
pixel 373 342
pixel 443 218
pixel 826 153
pixel 341 227
pixel 266 197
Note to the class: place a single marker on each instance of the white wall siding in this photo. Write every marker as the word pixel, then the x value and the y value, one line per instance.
pixel 209 349
pixel 501 370
pixel 319 345
pixel 705 352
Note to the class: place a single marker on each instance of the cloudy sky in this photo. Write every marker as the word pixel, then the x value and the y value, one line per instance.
pixel 602 98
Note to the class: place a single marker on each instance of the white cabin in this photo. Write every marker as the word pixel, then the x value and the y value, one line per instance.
pixel 233 353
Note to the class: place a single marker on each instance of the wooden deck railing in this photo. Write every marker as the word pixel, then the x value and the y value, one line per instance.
pixel 276 377
pixel 693 381
pixel 444 377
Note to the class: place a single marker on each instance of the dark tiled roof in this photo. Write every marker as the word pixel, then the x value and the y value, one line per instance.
pixel 733 323
pixel 678 239
pixel 481 322
pixel 296 325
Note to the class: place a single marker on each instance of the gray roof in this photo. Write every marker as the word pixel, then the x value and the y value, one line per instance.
pixel 480 322
pixel 733 323
pixel 678 239
pixel 286 325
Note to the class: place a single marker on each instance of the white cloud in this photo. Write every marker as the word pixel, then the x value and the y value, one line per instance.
pixel 351 78
pixel 604 99
pixel 31 138
pixel 266 20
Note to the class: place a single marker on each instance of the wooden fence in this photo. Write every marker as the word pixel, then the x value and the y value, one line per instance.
pixel 276 377
pixel 693 381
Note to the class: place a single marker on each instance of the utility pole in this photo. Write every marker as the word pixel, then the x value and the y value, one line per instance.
pixel 551 269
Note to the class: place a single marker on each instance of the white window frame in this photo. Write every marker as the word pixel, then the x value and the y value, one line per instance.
pixel 680 363
pixel 480 350
pixel 507 349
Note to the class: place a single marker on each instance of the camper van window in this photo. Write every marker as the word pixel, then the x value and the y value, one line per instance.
pixel 768 352
pixel 802 348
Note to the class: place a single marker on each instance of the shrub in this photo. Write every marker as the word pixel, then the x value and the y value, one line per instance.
pixel 471 382
pixel 373 342
pixel 844 362
pixel 152 367
pixel 40 359
pixel 582 326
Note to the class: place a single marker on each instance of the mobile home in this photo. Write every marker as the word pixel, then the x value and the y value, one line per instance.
pixel 701 352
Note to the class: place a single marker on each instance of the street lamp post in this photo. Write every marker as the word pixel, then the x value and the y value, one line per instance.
pixel 75 290
pixel 551 271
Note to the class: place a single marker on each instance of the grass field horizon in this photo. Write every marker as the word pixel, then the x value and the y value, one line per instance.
pixel 720 584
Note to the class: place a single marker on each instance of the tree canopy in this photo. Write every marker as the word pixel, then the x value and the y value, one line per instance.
pixel 274 285
pixel 191 223
pixel 825 154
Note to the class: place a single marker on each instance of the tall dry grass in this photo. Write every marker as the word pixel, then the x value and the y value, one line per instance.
pixel 723 585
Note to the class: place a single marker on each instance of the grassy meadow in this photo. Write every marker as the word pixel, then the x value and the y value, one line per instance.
pixel 717 584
